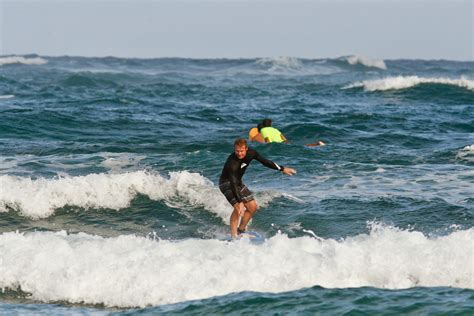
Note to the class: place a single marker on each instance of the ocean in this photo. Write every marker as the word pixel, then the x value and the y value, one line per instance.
pixel 110 205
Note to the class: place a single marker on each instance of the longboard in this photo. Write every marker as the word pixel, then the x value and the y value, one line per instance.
pixel 252 236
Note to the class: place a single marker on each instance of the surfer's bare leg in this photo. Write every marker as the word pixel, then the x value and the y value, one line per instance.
pixel 234 218
pixel 251 207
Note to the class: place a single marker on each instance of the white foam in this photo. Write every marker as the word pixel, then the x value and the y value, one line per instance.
pixel 373 63
pixel 22 60
pixel 285 66
pixel 451 183
pixel 41 197
pixel 7 96
pixel 292 66
pixel 469 148
pixel 130 271
pixel 114 162
pixel 120 161
pixel 7 163
pixel 467 153
pixel 404 82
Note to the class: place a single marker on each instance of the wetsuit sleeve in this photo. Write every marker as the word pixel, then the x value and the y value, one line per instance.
pixel 267 163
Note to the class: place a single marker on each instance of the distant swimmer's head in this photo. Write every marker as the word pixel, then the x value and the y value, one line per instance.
pixel 240 148
pixel 266 122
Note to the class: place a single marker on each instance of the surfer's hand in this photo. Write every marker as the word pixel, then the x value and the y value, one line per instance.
pixel 288 171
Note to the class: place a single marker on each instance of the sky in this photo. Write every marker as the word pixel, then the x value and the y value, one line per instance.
pixel 390 29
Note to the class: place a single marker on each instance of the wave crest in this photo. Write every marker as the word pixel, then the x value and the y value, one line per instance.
pixel 22 60
pixel 404 82
pixel 39 198
pixel 364 61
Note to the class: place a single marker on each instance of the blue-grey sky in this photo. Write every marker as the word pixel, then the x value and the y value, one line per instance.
pixel 426 29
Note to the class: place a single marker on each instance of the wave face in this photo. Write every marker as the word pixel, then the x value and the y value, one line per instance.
pixel 109 197
pixel 132 271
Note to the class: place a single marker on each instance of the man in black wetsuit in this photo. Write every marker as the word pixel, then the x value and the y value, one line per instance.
pixel 235 191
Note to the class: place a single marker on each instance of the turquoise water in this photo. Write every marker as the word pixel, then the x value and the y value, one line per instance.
pixel 109 201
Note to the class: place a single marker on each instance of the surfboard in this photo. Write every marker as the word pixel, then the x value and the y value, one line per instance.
pixel 252 236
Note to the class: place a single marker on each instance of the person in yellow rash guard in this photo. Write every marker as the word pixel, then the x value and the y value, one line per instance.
pixel 271 134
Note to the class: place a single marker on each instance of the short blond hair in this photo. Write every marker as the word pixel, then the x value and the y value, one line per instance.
pixel 240 142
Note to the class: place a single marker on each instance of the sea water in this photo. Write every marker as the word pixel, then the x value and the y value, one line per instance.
pixel 109 198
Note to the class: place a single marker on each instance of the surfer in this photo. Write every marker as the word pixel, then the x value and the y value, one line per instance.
pixel 235 191
pixel 270 134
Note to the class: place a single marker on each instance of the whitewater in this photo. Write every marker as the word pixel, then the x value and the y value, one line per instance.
pixel 132 271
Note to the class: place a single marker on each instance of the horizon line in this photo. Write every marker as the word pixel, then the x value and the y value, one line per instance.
pixel 231 58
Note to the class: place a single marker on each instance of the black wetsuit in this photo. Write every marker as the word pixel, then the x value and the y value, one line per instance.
pixel 234 169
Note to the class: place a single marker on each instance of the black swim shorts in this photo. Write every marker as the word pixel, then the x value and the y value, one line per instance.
pixel 245 193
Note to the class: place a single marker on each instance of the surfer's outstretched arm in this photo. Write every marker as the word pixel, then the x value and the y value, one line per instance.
pixel 270 164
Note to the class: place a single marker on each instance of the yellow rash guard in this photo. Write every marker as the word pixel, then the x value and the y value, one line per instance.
pixel 272 134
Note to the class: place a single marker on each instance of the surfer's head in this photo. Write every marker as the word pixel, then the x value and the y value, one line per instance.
pixel 240 148
pixel 266 122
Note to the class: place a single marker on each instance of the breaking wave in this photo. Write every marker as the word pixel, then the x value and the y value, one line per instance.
pixel 130 271
pixel 364 61
pixel 404 82
pixel 40 198
pixel 22 60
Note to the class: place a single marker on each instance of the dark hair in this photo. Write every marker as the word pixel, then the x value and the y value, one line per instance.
pixel 267 122
pixel 259 126
pixel 240 142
